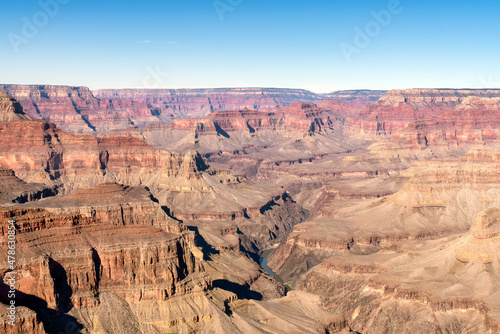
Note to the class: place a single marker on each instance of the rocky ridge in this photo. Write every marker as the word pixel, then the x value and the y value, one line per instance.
pixel 402 228
pixel 79 110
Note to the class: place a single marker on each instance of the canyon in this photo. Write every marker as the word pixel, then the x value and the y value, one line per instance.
pixel 146 211
pixel 80 110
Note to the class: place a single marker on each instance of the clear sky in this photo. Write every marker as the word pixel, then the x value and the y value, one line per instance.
pixel 320 45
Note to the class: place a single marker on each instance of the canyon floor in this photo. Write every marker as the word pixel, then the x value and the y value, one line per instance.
pixel 148 211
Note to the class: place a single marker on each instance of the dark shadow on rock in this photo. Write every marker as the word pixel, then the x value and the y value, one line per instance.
pixel 268 206
pixel 248 247
pixel 53 321
pixel 62 290
pixel 250 128
pixel 96 259
pixel 199 241
pixel 220 131
pixel 166 209
pixel 242 291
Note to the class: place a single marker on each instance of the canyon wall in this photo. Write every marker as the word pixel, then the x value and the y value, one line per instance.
pixel 356 98
pixel 79 110
pixel 399 108
pixel 116 258
pixel 106 240
pixel 200 102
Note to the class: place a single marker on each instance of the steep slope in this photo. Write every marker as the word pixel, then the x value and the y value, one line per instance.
pixel 399 108
pixel 109 240
pixel 353 236
pixel 75 109
pixel 10 109
pixel 474 120
pixel 356 98
pixel 15 190
pixel 200 102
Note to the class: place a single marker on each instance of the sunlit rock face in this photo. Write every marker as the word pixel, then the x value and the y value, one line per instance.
pixel 110 240
pixel 397 109
pixel 401 197
pixel 484 242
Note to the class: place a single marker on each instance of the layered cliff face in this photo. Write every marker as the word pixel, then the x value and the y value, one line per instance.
pixel 473 120
pixel 15 190
pixel 431 198
pixel 399 108
pixel 108 240
pixel 356 98
pixel 112 258
pixel 433 98
pixel 184 183
pixel 76 109
pixel 252 141
pixel 402 233
pixel 109 259
pixel 355 245
pixel 299 117
pixel 234 128
pixel 201 102
pixel 38 151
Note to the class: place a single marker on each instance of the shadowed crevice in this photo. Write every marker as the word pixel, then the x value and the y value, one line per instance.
pixel 242 291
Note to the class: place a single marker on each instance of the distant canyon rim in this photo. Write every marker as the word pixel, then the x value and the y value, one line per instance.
pixel 147 211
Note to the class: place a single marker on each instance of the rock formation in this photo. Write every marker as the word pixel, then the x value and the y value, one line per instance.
pixel 484 243
pixel 78 110
pixel 401 197
pixel 15 190
pixel 200 102
pixel 10 109
pixel 75 109
pixel 399 108
pixel 473 120
pixel 107 240
pixel 356 98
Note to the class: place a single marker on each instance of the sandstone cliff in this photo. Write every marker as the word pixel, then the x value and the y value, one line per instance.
pixel 76 109
pixel 106 240
pixel 356 98
pixel 473 120
pixel 183 183
pixel 15 190
pixel 399 108
pixel 200 102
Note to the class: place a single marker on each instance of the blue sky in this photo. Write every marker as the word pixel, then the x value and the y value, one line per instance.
pixel 312 44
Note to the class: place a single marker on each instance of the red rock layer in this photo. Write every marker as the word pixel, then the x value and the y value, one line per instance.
pixel 106 239
pixel 473 120
pixel 75 109
pixel 356 98
pixel 399 108
pixel 39 146
pixel 299 117
pixel 200 102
